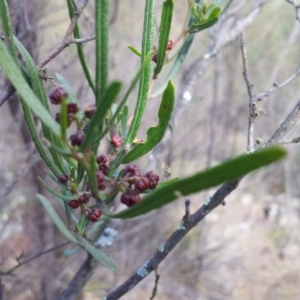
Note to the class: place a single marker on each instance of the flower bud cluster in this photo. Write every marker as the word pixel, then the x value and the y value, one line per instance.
pixel 137 184
pixel 56 98
pixel 92 214
pixel 102 166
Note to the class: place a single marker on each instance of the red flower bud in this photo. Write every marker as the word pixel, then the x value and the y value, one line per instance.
pixel 94 214
pixel 74 204
pixel 153 179
pixel 63 178
pixel 142 184
pixel 101 181
pixel 130 197
pixel 77 139
pixel 170 45
pixel 58 95
pixel 116 141
pixel 90 111
pixel 72 108
pixel 101 159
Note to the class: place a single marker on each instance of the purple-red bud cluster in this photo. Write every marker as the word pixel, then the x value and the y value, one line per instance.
pixel 137 184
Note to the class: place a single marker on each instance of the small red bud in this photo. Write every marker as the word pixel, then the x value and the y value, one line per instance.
pixel 74 203
pixel 101 181
pixel 90 111
pixel 101 159
pixel 94 214
pixel 170 45
pixel 153 179
pixel 58 95
pixel 154 57
pixel 116 141
pixel 77 139
pixel 130 197
pixel 63 178
pixel 72 108
pixel 142 184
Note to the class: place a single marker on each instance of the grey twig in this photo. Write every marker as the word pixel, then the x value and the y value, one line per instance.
pixel 161 253
pixel 154 292
pixel 275 86
pixel 297 8
pixel 67 39
pixel 22 263
pixel 285 126
pixel 81 278
pixel 252 101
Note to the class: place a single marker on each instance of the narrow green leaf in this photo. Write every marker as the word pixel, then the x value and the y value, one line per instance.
pixel 8 30
pixel 96 253
pixel 76 34
pixel 180 56
pixel 214 12
pixel 97 120
pixel 155 134
pixel 15 76
pixel 38 88
pixel 55 193
pixel 123 127
pixel 165 26
pixel 198 28
pixel 56 219
pixel 81 225
pixel 177 64
pixel 80 174
pixel 125 98
pixel 228 170
pixel 147 45
pixel 135 51
pixel 8 65
pixel 64 120
pixel 101 32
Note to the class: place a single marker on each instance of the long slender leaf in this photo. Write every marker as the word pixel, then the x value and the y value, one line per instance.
pixel 81 225
pixel 56 219
pixel 15 76
pixel 177 64
pixel 165 26
pixel 135 51
pixel 180 57
pixel 96 253
pixel 8 30
pixel 147 44
pixel 124 121
pixel 125 98
pixel 101 32
pixel 55 193
pixel 229 170
pixel 79 47
pixel 97 120
pixel 198 28
pixel 155 134
pixel 38 88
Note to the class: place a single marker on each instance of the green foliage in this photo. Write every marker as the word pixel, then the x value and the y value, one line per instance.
pixel 155 134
